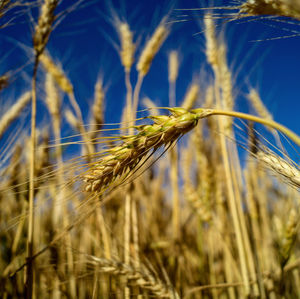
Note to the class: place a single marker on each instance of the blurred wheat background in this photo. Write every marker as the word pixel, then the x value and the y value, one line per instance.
pixel 127 170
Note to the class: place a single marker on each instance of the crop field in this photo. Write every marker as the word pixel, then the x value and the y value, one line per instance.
pixel 140 155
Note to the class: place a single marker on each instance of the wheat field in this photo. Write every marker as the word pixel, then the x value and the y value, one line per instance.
pixel 185 196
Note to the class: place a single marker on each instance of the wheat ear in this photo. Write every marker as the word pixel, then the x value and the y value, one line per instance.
pixel 281 167
pixel 143 65
pixel 151 49
pixel 164 131
pixel 14 112
pixel 127 46
pixel 44 26
pixel 143 278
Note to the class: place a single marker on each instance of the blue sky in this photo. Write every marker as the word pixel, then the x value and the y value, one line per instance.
pixel 84 44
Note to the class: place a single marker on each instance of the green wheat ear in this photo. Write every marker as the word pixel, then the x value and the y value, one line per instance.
pixel 165 130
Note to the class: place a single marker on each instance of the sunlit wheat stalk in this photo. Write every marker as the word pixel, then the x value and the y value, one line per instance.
pixel 40 39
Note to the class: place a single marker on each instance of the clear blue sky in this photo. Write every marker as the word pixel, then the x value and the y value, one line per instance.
pixel 83 42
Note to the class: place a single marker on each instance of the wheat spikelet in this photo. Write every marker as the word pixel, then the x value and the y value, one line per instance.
pixel 43 28
pixel 14 112
pixel 286 8
pixel 58 75
pixel 165 130
pixel 127 46
pixel 280 166
pixel 151 48
pixel 142 277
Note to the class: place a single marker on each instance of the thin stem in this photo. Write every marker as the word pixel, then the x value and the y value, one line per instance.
pixel 128 96
pixel 30 240
pixel 268 122
pixel 232 199
pixel 136 94
pixel 128 200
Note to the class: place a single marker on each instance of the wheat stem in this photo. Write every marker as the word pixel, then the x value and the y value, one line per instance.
pixel 30 240
pixel 267 122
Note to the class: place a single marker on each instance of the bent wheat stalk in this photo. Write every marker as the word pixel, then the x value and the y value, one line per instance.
pixel 163 132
